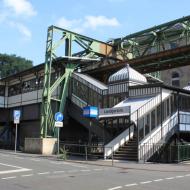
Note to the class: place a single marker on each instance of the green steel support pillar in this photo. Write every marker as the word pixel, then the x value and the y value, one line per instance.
pixel 68 71
pixel 47 78
pixel 91 49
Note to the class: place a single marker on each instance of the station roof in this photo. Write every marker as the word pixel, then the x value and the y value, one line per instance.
pixel 129 74
pixel 92 81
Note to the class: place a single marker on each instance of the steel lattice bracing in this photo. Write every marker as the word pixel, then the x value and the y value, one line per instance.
pixel 92 50
pixel 156 39
pixel 158 48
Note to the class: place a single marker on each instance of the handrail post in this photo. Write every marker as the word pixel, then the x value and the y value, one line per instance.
pixel 112 155
pixel 137 136
pixel 144 151
pixel 86 154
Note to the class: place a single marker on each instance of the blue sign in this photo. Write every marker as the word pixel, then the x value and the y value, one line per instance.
pixel 90 112
pixel 59 116
pixel 16 114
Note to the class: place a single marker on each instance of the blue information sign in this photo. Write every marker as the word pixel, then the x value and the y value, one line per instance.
pixel 16 114
pixel 90 112
pixel 59 116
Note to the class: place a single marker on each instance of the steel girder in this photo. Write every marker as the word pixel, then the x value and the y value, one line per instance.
pixel 91 50
pixel 154 40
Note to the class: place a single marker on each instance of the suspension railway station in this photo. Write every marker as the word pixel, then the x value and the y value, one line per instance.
pixel 138 113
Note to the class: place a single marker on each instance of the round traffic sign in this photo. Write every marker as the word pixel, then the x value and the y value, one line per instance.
pixel 59 116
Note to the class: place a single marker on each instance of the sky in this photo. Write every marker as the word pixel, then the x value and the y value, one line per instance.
pixel 24 23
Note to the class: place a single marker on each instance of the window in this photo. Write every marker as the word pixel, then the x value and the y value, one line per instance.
pixel 14 89
pixel 173 45
pixel 175 79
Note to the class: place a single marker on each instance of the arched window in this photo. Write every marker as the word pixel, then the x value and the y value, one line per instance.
pixel 175 79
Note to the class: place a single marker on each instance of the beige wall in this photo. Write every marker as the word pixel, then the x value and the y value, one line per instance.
pixel 184 73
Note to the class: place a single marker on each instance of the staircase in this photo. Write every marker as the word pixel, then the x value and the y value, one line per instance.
pixel 76 113
pixel 129 151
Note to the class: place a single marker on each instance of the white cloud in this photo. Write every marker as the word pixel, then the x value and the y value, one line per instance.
pixel 27 34
pixel 100 21
pixel 12 13
pixel 20 7
pixel 88 22
pixel 69 24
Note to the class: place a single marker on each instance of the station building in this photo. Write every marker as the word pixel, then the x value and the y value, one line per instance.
pixel 137 112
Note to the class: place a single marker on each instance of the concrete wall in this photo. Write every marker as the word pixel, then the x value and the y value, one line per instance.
pixel 46 146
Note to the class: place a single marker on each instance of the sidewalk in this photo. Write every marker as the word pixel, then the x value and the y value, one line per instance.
pixel 181 167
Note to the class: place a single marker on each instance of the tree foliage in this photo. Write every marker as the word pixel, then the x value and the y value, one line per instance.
pixel 12 64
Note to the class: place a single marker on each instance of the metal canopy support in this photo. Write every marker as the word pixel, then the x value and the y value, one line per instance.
pixel 90 49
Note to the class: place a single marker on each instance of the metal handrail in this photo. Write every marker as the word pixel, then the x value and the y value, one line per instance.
pixel 146 154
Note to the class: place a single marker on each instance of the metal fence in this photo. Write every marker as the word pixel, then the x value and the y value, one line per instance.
pixel 166 153
pixel 83 151
pixel 161 153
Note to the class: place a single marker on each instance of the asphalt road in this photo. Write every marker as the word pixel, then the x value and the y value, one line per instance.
pixel 18 172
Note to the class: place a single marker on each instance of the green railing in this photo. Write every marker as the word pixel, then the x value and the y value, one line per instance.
pixel 167 153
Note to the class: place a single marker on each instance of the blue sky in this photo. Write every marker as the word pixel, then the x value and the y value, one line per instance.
pixel 24 23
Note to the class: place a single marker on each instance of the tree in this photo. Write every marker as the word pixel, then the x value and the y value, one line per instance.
pixel 12 64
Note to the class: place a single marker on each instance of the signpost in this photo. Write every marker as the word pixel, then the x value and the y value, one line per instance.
pixel 16 115
pixel 90 112
pixel 58 123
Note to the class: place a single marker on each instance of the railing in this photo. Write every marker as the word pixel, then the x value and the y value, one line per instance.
pixel 79 102
pixel 148 106
pixel 90 85
pixel 134 92
pixel 159 136
pixel 145 108
pixel 120 140
pixel 167 153
pixel 125 136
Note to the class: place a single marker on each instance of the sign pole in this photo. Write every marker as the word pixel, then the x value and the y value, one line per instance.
pixel 58 123
pixel 16 138
pixel 58 140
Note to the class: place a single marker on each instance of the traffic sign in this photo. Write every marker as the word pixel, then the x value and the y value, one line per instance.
pixel 16 114
pixel 58 124
pixel 16 121
pixel 59 116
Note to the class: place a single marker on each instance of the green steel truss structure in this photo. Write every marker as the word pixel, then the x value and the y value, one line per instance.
pixel 92 50
pixel 158 48
pixel 156 39
pixel 161 47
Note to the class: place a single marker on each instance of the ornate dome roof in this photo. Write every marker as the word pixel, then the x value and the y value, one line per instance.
pixel 127 74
